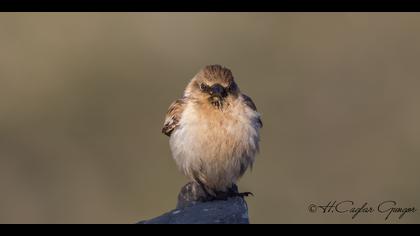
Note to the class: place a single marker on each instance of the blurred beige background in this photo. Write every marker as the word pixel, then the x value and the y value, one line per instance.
pixel 83 97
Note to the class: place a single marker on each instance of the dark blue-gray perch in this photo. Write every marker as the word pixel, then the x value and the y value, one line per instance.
pixel 190 210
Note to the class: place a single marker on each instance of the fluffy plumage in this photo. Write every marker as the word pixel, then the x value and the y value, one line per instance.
pixel 213 130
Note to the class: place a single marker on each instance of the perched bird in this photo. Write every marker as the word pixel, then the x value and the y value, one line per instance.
pixel 214 131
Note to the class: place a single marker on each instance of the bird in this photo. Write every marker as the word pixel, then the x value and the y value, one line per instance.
pixel 214 132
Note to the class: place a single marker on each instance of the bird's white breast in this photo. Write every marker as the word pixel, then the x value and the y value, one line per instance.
pixel 216 146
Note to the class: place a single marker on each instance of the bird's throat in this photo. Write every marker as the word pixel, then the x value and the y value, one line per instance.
pixel 217 102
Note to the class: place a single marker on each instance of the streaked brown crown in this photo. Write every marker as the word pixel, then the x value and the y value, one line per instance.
pixel 216 74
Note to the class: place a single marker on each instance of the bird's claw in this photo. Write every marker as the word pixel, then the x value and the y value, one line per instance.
pixel 246 194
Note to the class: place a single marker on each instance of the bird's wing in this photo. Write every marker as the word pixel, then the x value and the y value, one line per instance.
pixel 251 104
pixel 173 116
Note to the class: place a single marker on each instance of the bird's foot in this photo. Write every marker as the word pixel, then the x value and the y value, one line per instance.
pixel 246 194
pixel 234 192
pixel 194 192
pixel 242 195
pixel 221 196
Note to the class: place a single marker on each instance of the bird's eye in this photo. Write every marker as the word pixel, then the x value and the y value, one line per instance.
pixel 204 87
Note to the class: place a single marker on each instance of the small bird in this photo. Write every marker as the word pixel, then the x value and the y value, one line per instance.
pixel 214 131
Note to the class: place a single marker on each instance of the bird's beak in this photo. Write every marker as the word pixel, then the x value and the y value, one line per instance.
pixel 217 95
pixel 217 91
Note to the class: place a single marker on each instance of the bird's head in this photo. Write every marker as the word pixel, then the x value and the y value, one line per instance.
pixel 215 85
